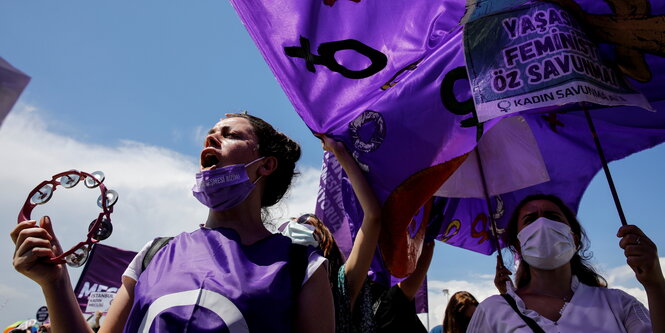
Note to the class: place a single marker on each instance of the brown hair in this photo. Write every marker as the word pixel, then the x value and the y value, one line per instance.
pixel 579 263
pixel 455 321
pixel 276 144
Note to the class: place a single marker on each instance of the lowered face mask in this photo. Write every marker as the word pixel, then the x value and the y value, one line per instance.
pixel 546 244
pixel 300 233
pixel 224 188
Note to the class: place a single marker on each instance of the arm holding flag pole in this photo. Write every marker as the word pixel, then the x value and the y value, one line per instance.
pixel 642 257
pixel 362 252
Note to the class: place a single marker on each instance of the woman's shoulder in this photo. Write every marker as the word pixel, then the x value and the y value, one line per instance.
pixel 491 306
pixel 612 294
pixel 488 311
pixel 492 302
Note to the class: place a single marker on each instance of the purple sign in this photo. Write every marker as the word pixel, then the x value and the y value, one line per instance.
pixel 102 272
pixel 12 83
pixel 545 59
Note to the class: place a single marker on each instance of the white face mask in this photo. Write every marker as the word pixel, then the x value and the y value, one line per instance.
pixel 546 244
pixel 300 233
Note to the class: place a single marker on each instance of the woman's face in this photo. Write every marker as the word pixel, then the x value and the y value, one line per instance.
pixel 535 209
pixel 230 141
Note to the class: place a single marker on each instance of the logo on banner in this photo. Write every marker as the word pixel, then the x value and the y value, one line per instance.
pixel 327 52
pixel 504 106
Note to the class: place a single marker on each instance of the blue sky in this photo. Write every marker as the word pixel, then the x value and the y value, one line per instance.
pixel 143 81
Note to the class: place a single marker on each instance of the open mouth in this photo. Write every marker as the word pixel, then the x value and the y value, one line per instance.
pixel 209 159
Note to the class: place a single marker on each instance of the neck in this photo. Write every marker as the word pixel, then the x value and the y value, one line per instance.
pixel 554 283
pixel 245 219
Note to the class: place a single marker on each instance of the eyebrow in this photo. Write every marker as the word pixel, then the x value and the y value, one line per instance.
pixel 216 128
pixel 529 215
pixel 545 212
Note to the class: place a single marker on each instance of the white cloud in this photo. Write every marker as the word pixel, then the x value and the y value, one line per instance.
pixel 480 287
pixel 198 134
pixel 623 278
pixel 154 186
pixel 300 199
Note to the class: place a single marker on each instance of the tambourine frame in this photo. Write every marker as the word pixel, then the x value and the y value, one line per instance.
pixel 28 206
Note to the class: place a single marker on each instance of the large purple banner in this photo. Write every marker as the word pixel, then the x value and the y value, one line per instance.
pixel 393 91
pixel 390 80
pixel 102 272
pixel 12 83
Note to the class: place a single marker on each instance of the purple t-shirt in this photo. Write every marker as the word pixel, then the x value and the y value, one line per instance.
pixel 207 281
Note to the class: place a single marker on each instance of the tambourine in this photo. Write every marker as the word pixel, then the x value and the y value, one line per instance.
pixel 98 230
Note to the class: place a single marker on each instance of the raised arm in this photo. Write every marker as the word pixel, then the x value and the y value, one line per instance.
pixel 642 256
pixel 34 243
pixel 359 260
pixel 411 284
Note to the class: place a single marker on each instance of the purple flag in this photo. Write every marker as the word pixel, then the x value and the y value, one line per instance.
pixel 12 83
pixel 391 94
pixel 563 139
pixel 390 80
pixel 421 298
pixel 102 272
pixel 568 152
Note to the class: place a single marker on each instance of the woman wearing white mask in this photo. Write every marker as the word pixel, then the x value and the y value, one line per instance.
pixel 352 295
pixel 557 290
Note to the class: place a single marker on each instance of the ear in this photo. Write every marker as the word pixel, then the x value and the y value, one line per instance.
pixel 268 166
pixel 576 238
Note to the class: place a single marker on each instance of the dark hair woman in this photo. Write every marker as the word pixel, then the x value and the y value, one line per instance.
pixel 459 311
pixel 230 274
pixel 557 290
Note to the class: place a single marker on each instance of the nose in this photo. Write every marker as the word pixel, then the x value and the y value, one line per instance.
pixel 212 141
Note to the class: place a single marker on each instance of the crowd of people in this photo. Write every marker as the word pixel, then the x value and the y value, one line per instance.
pixel 231 273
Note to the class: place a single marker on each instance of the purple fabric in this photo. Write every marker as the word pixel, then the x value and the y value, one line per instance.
pixel 330 204
pixel 102 272
pixel 572 161
pixel 12 83
pixel 375 124
pixel 396 93
pixel 219 285
pixel 222 188
pixel 421 298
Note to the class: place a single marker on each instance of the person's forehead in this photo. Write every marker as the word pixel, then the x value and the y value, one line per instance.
pixel 539 206
pixel 234 123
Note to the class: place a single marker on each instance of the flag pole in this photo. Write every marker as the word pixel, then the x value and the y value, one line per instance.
pixel 495 234
pixel 603 161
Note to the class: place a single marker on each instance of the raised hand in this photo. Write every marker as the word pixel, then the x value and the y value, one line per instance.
pixel 34 244
pixel 502 276
pixel 641 255
pixel 329 144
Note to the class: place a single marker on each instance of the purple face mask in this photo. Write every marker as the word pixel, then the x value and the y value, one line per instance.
pixel 224 188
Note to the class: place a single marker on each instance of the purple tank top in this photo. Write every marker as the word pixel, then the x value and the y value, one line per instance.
pixel 207 281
